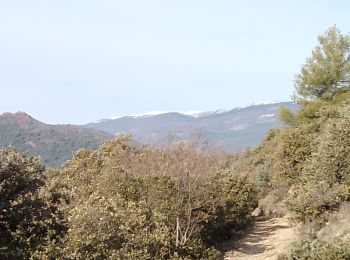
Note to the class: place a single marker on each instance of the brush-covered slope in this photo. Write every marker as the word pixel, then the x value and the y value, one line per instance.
pixel 53 143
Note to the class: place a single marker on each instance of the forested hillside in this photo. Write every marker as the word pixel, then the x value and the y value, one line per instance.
pixel 233 130
pixel 182 200
pixel 53 143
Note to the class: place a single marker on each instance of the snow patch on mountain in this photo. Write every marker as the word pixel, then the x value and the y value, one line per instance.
pixel 264 103
pixel 150 113
pixel 100 121
pixel 267 115
pixel 194 113
pixel 209 113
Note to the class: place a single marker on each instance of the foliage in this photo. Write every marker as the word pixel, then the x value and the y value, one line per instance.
pixel 311 111
pixel 286 116
pixel 332 160
pixel 295 149
pixel 151 203
pixel 326 179
pixel 314 250
pixel 28 221
pixel 330 242
pixel 328 68
pixel 312 155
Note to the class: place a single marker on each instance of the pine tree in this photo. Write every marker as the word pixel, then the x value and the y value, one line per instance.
pixel 328 68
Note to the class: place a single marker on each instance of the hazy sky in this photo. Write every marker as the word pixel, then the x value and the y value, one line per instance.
pixel 75 61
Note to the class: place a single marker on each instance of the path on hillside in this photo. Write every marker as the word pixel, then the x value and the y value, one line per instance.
pixel 267 239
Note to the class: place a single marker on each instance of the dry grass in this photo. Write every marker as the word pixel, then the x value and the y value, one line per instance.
pixel 338 225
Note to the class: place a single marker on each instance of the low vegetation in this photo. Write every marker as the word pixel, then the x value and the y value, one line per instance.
pixel 30 220
pixel 122 202
pixel 304 169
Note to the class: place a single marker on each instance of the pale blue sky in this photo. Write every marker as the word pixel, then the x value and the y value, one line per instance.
pixel 76 61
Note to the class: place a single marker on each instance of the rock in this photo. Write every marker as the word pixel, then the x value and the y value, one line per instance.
pixel 257 212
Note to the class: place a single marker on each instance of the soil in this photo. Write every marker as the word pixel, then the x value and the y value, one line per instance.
pixel 266 240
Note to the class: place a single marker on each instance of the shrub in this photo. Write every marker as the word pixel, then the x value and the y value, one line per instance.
pixel 286 116
pixel 28 222
pixel 151 203
pixel 314 250
pixel 330 242
pixel 295 149
pixel 325 180
pixel 314 201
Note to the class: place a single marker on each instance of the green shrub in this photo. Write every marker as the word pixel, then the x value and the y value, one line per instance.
pixel 29 222
pixel 325 182
pixel 151 203
pixel 314 250
pixel 314 201
pixel 286 116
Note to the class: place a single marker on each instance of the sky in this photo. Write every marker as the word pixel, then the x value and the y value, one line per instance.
pixel 77 61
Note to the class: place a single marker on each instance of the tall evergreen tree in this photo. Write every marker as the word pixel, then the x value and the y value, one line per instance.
pixel 328 68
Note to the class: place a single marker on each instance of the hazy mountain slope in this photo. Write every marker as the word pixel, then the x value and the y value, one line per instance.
pixel 53 143
pixel 234 130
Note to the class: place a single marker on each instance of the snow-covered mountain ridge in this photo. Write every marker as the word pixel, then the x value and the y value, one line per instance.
pixel 195 113
pixel 234 129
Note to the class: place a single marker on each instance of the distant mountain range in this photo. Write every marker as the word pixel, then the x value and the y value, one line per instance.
pixel 234 130
pixel 53 143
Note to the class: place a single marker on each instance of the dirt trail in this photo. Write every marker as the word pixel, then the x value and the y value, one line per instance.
pixel 267 239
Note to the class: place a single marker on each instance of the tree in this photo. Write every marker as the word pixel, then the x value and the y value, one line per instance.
pixel 28 222
pixel 328 68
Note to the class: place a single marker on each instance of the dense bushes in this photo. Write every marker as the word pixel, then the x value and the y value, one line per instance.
pixel 29 220
pixel 314 250
pixel 308 165
pixel 303 170
pixel 122 202
pixel 148 203
pixel 330 242
pixel 325 182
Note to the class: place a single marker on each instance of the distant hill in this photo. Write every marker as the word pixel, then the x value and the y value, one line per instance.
pixel 234 130
pixel 53 143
